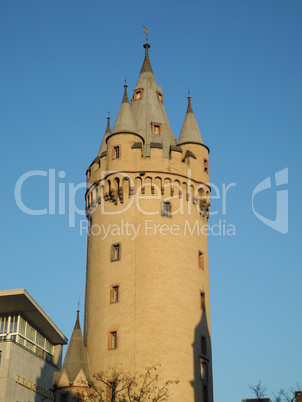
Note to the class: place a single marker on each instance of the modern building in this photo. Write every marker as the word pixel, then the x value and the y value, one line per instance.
pixel 147 281
pixel 30 349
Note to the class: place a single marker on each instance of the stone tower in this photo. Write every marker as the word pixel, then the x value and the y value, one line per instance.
pixel 147 281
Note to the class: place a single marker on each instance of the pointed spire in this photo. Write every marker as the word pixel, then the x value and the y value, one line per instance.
pixel 190 132
pixel 125 122
pixel 125 98
pixel 146 64
pixel 77 324
pixel 149 108
pixel 108 129
pixel 190 109
pixel 76 356
pixel 103 146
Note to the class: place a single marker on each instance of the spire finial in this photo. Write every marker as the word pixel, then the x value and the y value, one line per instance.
pixel 78 312
pixel 190 109
pixel 146 33
pixel 146 64
pixel 108 129
pixel 125 98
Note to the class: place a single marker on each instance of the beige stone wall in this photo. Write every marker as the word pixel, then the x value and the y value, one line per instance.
pixel 159 318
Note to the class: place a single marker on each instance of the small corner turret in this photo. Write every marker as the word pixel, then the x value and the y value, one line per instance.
pixel 74 376
pixel 103 147
pixel 190 131
pixel 125 122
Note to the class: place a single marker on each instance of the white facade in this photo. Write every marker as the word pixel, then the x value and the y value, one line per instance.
pixel 30 349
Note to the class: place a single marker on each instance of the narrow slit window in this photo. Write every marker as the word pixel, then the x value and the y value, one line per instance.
pixel 203 369
pixel 200 259
pixel 202 301
pixel 113 340
pixel 116 152
pixel 166 209
pixel 114 294
pixel 116 252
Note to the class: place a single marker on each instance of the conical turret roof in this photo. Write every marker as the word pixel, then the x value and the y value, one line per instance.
pixel 148 108
pixel 125 122
pixel 190 132
pixel 76 358
pixel 103 146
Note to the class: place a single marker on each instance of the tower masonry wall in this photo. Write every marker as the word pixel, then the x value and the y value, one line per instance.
pixel 147 237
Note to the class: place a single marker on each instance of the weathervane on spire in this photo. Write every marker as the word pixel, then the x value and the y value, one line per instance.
pixel 146 33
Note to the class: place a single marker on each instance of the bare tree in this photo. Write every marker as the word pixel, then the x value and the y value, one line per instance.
pixel 289 396
pixel 116 385
pixel 281 396
pixel 278 397
pixel 258 390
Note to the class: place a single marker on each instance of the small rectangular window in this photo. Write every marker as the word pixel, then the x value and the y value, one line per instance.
pixel 202 301
pixel 111 391
pixel 112 340
pixel 138 94
pixel 156 128
pixel 114 294
pixel 116 152
pixel 64 397
pixel 204 369
pixel 116 252
pixel 203 345
pixel 200 259
pixel 166 209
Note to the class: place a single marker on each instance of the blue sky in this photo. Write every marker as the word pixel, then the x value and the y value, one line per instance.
pixel 63 68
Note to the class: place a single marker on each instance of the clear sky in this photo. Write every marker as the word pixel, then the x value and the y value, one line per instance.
pixel 63 68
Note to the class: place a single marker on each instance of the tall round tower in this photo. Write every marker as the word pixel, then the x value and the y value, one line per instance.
pixel 147 281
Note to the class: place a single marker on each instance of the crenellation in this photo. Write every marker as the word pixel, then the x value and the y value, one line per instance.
pixel 118 189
